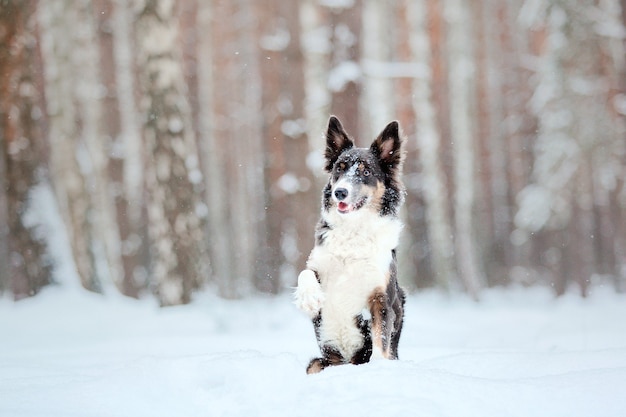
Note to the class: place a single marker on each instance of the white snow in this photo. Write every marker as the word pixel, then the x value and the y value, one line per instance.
pixel 534 208
pixel 339 4
pixel 517 353
pixel 344 73
pixel 383 69
pixel 44 214
pixel 289 183
pixel 277 41
pixel 293 128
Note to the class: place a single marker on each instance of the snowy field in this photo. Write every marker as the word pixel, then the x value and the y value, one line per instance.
pixel 518 353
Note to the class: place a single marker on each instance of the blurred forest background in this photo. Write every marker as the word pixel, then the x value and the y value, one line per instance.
pixel 161 146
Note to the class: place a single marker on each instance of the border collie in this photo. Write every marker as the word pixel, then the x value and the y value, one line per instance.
pixel 349 288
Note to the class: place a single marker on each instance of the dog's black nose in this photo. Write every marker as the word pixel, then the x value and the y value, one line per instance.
pixel 341 193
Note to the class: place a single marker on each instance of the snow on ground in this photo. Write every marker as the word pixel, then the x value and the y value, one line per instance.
pixel 518 353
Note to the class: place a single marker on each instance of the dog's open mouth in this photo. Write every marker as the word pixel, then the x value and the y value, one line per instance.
pixel 344 208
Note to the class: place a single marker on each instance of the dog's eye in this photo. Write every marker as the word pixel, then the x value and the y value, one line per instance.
pixel 340 167
pixel 366 172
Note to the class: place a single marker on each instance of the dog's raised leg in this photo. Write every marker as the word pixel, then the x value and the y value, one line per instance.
pixel 309 297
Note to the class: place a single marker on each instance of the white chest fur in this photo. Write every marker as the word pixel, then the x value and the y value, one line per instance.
pixel 352 262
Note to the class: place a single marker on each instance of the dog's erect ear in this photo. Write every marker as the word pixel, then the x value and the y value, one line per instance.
pixel 388 147
pixel 337 141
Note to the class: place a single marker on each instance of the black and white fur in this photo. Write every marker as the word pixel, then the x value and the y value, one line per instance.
pixel 350 289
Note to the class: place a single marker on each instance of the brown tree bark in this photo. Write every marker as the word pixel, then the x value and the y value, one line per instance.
pixel 4 224
pixel 419 263
pixel 289 192
pixel 224 52
pixel 430 144
pixel 344 78
pixel 26 268
pixel 486 113
pixel 126 231
pixel 237 146
pixel 274 37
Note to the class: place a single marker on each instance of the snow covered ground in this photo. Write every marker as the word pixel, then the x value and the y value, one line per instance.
pixel 518 353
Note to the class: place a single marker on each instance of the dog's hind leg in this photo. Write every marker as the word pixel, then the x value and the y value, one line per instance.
pixel 396 298
pixel 382 324
pixel 398 307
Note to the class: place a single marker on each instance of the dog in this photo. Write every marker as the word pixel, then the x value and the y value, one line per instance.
pixel 349 287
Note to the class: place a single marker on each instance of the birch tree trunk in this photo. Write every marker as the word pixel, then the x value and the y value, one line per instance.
pixel 97 140
pixel 461 76
pixel 176 214
pixel 25 266
pixel 70 124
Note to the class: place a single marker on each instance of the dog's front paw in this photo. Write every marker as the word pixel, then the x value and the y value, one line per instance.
pixel 308 297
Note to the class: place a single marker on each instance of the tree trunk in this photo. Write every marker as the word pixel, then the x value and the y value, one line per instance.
pixel 344 78
pixel 105 241
pixel 290 205
pixel 124 233
pixel 4 217
pixel 212 147
pixel 461 78
pixel 487 110
pixel 429 138
pixel 378 47
pixel 10 17
pixel 518 128
pixel 274 37
pixel 236 131
pixel 224 49
pixel 26 267
pixel 417 269
pixel 66 93
pixel 176 214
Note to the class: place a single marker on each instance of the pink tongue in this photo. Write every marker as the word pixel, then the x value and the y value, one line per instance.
pixel 343 206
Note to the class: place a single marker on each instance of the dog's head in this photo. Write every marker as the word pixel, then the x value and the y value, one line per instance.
pixel 363 178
